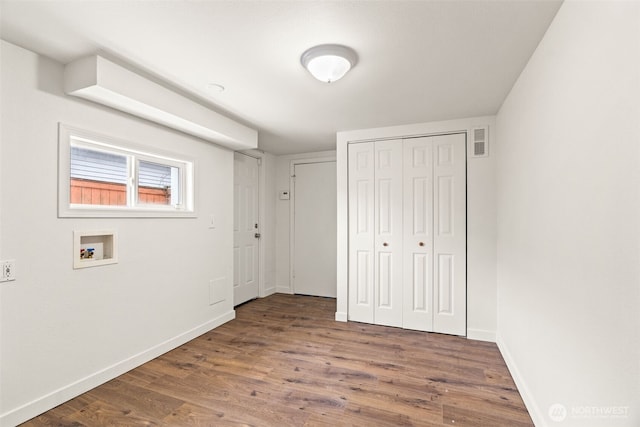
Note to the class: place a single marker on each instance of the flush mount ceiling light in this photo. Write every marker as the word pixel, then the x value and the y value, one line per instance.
pixel 329 62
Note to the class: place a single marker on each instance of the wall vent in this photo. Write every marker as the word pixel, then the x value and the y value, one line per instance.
pixel 480 139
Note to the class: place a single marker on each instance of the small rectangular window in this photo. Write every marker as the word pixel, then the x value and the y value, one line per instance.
pixel 158 184
pixel 100 176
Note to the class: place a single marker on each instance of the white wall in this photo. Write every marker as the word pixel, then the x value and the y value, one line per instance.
pixel 568 219
pixel 64 330
pixel 268 229
pixel 481 223
pixel 283 224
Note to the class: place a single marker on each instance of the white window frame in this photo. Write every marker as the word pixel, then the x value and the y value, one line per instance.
pixel 69 136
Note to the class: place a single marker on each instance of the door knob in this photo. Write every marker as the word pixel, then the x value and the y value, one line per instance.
pixel 421 244
pixel 385 244
pixel 257 235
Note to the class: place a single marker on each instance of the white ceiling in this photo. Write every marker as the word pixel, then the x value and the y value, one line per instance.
pixel 419 61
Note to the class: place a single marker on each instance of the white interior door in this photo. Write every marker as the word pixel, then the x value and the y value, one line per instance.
pixel 314 229
pixel 245 229
pixel 450 235
pixel 418 234
pixel 414 191
pixel 388 233
pixel 361 231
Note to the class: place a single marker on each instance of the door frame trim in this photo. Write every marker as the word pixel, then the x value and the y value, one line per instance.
pixel 292 203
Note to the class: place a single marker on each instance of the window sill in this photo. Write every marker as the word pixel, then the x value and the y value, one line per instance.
pixel 124 213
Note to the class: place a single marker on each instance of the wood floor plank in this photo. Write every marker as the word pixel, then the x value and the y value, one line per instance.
pixel 58 415
pixel 466 417
pixel 285 361
pixel 100 413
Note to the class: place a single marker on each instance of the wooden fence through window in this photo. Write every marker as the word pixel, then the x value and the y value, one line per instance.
pixel 89 192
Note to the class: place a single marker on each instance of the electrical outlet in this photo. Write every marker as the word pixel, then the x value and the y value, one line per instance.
pixel 8 270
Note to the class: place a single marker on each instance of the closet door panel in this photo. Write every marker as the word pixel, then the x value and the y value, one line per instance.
pixel 407 233
pixel 450 234
pixel 418 234
pixel 361 232
pixel 388 237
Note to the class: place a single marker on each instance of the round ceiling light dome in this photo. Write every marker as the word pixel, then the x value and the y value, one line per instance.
pixel 329 62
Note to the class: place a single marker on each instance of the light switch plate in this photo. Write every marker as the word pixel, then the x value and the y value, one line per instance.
pixel 8 270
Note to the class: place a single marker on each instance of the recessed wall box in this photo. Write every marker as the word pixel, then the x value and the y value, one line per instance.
pixel 94 248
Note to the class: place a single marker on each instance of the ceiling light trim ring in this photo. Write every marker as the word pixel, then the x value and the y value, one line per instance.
pixel 326 62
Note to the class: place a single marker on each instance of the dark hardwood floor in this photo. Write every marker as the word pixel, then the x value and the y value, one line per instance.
pixel 284 361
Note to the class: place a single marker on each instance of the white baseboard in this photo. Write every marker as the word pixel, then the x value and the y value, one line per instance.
pixel 269 291
pixel 481 335
pixel 341 316
pixel 63 394
pixel 284 290
pixel 537 416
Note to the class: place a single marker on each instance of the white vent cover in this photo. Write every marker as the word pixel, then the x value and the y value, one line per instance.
pixel 480 142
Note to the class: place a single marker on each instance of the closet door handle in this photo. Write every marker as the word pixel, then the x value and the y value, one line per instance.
pixel 421 244
pixel 385 244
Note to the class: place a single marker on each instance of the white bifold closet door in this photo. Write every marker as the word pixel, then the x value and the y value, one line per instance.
pixel 417 253
pixel 361 234
pixel 407 233
pixel 387 203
